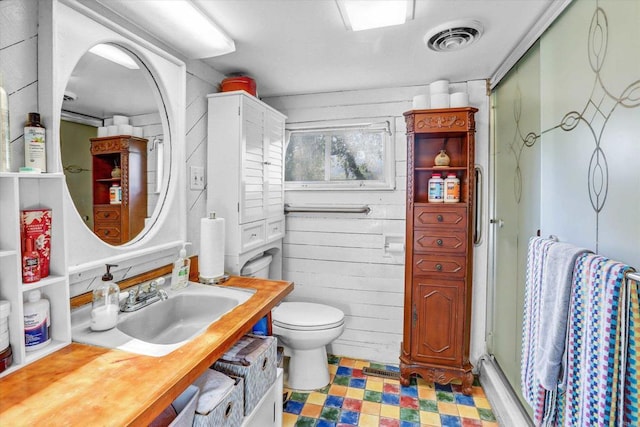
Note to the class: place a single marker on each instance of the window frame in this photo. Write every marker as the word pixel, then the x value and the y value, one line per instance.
pixel 387 124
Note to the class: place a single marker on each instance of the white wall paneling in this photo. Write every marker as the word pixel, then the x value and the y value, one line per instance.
pixel 338 259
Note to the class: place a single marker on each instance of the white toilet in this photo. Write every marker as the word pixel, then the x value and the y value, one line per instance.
pixel 305 329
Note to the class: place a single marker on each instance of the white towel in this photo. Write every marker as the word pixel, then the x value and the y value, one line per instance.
pixel 557 276
pixel 214 386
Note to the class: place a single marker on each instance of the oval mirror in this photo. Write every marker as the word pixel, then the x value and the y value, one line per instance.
pixel 112 143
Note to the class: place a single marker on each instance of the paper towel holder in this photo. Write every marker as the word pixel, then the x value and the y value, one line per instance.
pixel 213 280
pixel 217 279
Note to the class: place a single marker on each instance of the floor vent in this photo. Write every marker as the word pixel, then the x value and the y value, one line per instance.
pixel 380 373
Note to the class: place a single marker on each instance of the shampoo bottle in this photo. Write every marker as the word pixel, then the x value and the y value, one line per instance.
pixel 180 273
pixel 104 307
pixel 36 321
pixel 35 153
pixel 30 263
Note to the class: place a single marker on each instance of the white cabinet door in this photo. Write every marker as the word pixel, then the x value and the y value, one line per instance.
pixel 252 204
pixel 274 170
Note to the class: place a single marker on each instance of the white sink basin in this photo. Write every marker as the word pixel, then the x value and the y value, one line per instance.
pixel 164 326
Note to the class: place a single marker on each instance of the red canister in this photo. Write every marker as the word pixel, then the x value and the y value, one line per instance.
pixel 239 83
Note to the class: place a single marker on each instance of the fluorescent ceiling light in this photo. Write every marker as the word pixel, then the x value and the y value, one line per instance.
pixel 179 23
pixel 114 54
pixel 366 14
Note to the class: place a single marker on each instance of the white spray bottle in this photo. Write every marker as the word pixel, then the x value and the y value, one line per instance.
pixel 180 273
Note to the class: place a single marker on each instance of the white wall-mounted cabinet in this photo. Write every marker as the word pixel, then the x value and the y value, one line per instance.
pixel 245 174
pixel 19 192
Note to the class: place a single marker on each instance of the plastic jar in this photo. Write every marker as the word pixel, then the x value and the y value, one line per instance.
pixel 436 189
pixel 115 194
pixel 5 309
pixel 36 321
pixel 451 189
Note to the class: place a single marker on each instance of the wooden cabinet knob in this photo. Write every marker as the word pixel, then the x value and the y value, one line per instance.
pixel 440 218
pixel 106 232
pixel 439 267
pixel 107 215
pixel 439 242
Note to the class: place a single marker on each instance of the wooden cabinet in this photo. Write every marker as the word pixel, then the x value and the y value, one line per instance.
pixel 119 223
pixel 245 173
pixel 438 269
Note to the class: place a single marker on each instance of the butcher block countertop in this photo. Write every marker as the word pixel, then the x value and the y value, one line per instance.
pixel 82 385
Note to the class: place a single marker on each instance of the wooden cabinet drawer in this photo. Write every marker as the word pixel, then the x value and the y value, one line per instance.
pixel 106 213
pixel 108 231
pixel 252 234
pixel 440 216
pixel 275 229
pixel 443 266
pixel 439 240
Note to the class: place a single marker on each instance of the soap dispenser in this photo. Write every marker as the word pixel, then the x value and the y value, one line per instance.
pixel 105 305
pixel 180 273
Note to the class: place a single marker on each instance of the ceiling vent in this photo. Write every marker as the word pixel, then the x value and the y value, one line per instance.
pixel 453 35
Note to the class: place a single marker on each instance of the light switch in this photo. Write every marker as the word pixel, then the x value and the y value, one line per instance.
pixel 196 179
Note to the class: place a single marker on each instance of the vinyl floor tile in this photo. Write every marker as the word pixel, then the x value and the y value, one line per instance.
pixel 356 399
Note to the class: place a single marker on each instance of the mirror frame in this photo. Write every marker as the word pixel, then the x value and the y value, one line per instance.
pixel 67 29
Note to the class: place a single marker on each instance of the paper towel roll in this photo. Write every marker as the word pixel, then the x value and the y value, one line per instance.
pixel 211 257
pixel 459 99
pixel 440 100
pixel 420 102
pixel 439 86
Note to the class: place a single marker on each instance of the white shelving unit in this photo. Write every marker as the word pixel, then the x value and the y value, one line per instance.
pixel 32 191
pixel 245 151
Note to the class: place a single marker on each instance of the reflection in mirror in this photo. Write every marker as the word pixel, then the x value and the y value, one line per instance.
pixel 112 143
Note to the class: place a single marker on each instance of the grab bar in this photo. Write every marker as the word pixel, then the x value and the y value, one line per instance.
pixel 365 209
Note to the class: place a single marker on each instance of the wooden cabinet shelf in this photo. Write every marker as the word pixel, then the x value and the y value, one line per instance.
pixel 118 223
pixel 439 250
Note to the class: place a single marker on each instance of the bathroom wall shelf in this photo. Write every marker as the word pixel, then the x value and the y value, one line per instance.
pixel 439 249
pixel 30 191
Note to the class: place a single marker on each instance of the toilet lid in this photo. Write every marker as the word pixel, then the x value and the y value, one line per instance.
pixel 306 315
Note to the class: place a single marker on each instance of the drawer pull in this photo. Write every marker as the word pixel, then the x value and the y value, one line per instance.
pixel 439 267
pixel 265 363
pixel 107 215
pixel 106 232
pixel 253 235
pixel 440 218
pixel 439 242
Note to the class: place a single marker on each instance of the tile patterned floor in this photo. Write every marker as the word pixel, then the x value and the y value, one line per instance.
pixel 355 399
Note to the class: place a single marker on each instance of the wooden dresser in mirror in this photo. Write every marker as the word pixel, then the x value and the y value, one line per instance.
pixel 119 161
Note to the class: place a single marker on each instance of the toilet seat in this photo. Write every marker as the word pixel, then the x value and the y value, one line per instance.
pixel 306 316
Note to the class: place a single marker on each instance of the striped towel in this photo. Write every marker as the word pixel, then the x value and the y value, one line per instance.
pixel 533 392
pixel 631 414
pixel 601 347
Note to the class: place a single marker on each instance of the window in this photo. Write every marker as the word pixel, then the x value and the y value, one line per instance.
pixel 351 156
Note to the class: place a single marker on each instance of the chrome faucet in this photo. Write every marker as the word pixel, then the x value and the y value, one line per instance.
pixel 143 295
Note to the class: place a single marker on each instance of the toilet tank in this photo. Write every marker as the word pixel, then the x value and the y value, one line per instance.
pixel 258 267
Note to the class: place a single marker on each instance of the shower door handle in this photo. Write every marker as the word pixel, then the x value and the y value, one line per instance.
pixel 478 228
pixel 498 222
